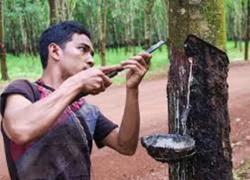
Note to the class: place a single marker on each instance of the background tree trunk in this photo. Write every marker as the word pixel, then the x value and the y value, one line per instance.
pixel 206 20
pixel 147 12
pixel 247 30
pixel 52 12
pixel 70 6
pixel 61 10
pixel 102 21
pixel 4 71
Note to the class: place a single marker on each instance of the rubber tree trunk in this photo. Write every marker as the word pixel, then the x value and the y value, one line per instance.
pixel 52 12
pixel 208 120
pixel 247 31
pixel 147 11
pixel 102 28
pixel 4 71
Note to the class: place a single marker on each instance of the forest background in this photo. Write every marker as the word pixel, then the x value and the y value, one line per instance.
pixel 119 29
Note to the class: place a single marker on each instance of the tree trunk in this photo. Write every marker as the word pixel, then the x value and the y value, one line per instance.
pixel 52 12
pixel 61 10
pixel 70 6
pixel 115 35
pixel 23 35
pixel 147 11
pixel 102 20
pixel 239 24
pixel 132 26
pixel 247 30
pixel 4 71
pixel 127 39
pixel 206 97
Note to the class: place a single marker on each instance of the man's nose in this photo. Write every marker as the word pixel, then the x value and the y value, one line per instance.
pixel 90 61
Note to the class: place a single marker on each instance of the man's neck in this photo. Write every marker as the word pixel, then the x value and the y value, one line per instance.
pixel 52 78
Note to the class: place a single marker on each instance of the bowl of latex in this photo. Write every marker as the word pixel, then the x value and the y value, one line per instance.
pixel 169 148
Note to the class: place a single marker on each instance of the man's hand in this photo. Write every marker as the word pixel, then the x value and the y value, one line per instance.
pixel 126 139
pixel 93 81
pixel 138 66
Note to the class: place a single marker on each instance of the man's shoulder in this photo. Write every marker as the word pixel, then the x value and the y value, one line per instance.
pixel 23 87
pixel 16 85
pixel 19 83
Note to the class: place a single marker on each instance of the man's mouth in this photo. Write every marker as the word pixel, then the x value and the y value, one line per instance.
pixel 85 68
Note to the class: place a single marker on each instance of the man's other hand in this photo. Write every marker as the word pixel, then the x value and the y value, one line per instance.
pixel 137 67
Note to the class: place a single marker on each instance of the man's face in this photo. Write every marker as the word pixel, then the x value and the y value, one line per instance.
pixel 77 55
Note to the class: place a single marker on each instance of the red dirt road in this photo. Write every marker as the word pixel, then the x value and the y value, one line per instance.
pixel 109 165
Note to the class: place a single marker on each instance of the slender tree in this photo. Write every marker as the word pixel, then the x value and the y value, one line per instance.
pixel 247 30
pixel 147 11
pixel 4 71
pixel 69 6
pixel 52 11
pixel 61 10
pixel 102 27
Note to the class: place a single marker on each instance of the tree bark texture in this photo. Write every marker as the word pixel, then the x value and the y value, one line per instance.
pixel 61 6
pixel 52 12
pixel 4 71
pixel 247 30
pixel 205 19
pixel 147 12
pixel 208 120
pixel 206 97
pixel 102 28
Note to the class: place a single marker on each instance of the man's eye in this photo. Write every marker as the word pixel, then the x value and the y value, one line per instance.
pixel 84 49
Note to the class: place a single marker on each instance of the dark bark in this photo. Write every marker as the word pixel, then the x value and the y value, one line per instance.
pixel 4 71
pixel 208 119
pixel 205 123
pixel 235 42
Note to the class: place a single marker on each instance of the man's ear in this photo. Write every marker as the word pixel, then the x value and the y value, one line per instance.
pixel 54 51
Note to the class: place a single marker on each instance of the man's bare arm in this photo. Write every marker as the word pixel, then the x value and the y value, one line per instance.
pixel 25 121
pixel 125 139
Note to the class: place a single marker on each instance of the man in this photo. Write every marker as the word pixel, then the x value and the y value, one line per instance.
pixel 50 137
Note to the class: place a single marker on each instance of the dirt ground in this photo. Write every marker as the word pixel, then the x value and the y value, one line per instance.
pixel 109 165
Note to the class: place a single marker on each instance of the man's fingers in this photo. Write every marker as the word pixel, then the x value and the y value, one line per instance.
pixel 95 81
pixel 106 81
pixel 134 64
pixel 140 59
pixel 135 69
pixel 107 69
pixel 139 62
pixel 146 56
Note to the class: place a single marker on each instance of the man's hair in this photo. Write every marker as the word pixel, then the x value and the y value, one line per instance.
pixel 59 34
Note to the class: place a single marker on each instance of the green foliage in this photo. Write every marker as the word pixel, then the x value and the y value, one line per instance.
pixel 25 66
pixel 233 53
pixel 25 20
